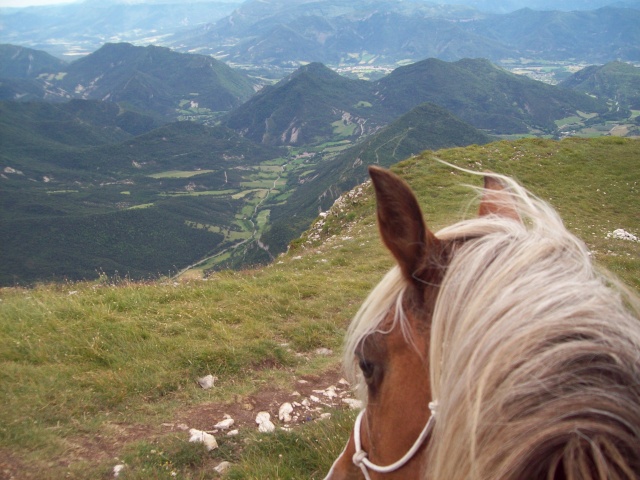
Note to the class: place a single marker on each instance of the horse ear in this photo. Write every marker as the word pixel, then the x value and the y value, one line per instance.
pixel 497 201
pixel 400 221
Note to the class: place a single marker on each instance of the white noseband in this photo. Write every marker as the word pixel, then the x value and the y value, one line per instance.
pixel 361 461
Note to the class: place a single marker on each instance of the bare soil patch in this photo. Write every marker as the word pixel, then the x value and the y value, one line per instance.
pixel 310 398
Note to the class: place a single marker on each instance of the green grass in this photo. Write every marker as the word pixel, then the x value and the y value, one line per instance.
pixel 90 371
pixel 304 453
pixel 342 129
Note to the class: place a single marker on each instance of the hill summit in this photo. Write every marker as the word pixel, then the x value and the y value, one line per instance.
pixel 156 79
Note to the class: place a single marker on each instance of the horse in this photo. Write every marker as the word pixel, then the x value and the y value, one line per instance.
pixel 493 349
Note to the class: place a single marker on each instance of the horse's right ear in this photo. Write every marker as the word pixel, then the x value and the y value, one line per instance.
pixel 401 224
pixel 496 200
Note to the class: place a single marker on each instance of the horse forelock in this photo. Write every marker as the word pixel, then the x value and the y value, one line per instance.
pixel 385 299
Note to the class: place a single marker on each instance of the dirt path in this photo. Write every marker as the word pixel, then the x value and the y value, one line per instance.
pixel 312 396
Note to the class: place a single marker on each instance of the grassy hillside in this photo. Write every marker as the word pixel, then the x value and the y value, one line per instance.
pixel 616 81
pixel 101 373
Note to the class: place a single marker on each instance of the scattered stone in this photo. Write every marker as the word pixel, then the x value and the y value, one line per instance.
pixel 117 469
pixel 263 419
pixel 204 437
pixel 206 382
pixel 232 433
pixel 342 381
pixel 353 403
pixel 330 392
pixel 222 467
pixel 325 416
pixel 284 414
pixel 224 424
pixel 313 398
pixel 621 234
pixel 323 351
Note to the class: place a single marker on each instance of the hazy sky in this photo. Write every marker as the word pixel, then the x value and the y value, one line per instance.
pixel 28 3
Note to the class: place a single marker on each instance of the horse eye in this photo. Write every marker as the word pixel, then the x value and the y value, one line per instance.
pixel 367 369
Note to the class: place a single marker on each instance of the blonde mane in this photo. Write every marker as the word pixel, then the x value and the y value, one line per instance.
pixel 535 360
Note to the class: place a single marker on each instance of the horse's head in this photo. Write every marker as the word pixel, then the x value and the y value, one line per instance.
pixel 531 354
pixel 388 340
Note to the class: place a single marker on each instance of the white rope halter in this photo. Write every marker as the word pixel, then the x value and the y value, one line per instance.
pixel 361 461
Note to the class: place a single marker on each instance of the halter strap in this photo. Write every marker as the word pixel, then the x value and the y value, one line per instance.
pixel 361 461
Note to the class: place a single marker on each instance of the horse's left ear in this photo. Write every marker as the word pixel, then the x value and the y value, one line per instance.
pixel 401 224
pixel 496 200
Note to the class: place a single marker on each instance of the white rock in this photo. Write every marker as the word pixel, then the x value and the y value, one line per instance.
pixel 342 381
pixel 262 416
pixel 330 392
pixel 224 424
pixel 206 382
pixel 284 414
pixel 313 398
pixel 204 437
pixel 621 234
pixel 325 416
pixel 117 469
pixel 265 425
pixel 305 402
pixel 232 433
pixel 222 466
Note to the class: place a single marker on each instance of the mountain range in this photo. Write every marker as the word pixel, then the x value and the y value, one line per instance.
pixel 286 34
pixel 112 173
pixel 77 28
pixel 314 103
pixel 382 32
